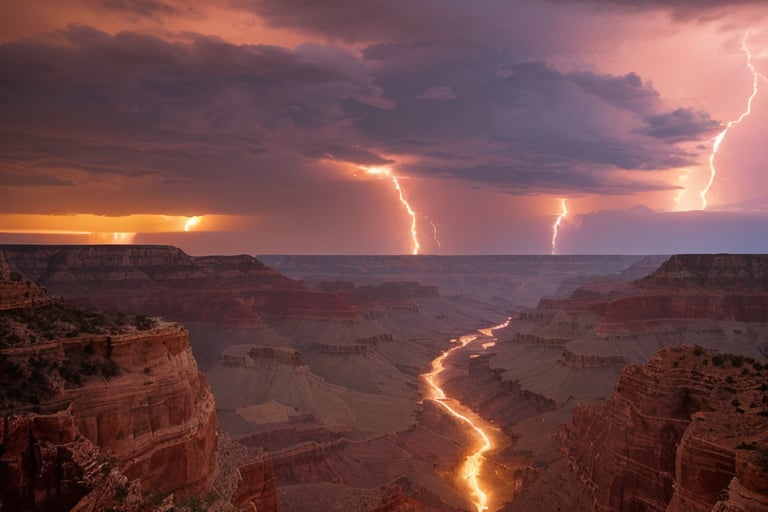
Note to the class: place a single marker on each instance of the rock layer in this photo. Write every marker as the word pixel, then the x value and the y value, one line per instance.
pixel 160 280
pixel 685 432
pixel 156 419
pixel 105 414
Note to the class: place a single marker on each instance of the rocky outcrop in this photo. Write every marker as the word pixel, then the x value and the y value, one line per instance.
pixel 155 418
pixel 85 397
pixel 673 304
pixel 16 291
pixel 253 356
pixel 402 495
pixel 163 280
pixel 722 272
pixel 569 358
pixel 486 390
pixel 39 464
pixel 697 286
pixel 680 433
pixel 256 489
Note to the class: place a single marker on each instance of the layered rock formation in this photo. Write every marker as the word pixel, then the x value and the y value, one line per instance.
pixel 17 292
pixel 509 282
pixel 155 418
pixel 570 350
pixel 163 280
pixel 685 432
pixel 708 286
pixel 110 408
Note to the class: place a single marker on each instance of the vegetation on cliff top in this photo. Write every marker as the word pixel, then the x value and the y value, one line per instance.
pixel 26 381
pixel 28 326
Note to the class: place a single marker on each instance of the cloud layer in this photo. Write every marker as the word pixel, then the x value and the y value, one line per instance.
pixel 173 107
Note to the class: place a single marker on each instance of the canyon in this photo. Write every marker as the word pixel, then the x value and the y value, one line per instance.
pixel 315 396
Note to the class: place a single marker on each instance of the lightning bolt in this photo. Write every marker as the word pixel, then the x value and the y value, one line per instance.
pixel 191 222
pixel 718 140
pixel 383 171
pixel 556 226
pixel 434 229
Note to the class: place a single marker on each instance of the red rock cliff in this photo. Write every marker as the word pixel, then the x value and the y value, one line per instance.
pixel 155 419
pixel 680 433
pixel 84 396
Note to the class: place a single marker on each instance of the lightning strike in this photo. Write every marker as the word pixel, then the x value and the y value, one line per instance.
pixel 718 140
pixel 556 226
pixel 381 171
pixel 434 230
pixel 192 222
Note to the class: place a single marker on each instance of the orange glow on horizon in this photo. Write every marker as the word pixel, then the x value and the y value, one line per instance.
pixel 192 222
pixel 119 229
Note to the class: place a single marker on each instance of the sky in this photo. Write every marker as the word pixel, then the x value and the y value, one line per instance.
pixel 371 126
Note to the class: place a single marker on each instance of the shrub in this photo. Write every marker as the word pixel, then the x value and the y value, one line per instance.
pixel 144 323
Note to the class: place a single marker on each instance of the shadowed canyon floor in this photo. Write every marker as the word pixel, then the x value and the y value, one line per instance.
pixel 317 387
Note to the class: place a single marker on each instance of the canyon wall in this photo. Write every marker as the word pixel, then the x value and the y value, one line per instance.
pixel 163 280
pixel 97 411
pixel 686 432
pixel 155 418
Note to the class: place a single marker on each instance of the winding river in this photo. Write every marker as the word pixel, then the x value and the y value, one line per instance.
pixel 471 469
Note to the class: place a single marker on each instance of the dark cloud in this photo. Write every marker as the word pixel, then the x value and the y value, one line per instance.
pixel 626 92
pixel 353 20
pixel 186 113
pixel 135 106
pixel 680 124
pixel 391 25
pixel 559 180
pixel 343 153
pixel 523 125
pixel 16 179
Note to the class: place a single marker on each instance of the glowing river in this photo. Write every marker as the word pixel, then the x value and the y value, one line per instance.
pixel 470 470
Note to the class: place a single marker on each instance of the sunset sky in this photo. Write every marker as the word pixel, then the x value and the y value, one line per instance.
pixel 252 126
